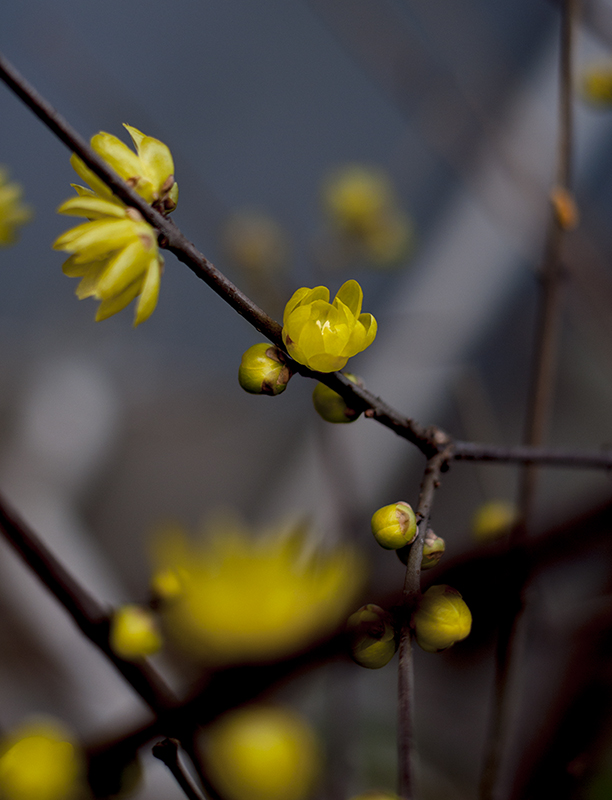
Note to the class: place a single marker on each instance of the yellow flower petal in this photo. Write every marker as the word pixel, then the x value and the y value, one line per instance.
pixel 351 294
pixel 150 292
pixel 117 303
pixel 90 178
pixel 117 154
pixel 91 207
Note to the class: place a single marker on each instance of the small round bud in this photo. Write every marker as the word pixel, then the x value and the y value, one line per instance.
pixel 441 619
pixel 261 753
pixel 134 633
pixel 372 636
pixel 263 370
pixel 329 404
pixel 433 550
pixel 493 520
pixel 394 526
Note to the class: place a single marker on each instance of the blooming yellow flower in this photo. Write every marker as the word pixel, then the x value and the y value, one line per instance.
pixel 250 598
pixel 13 212
pixel 38 762
pixel 150 171
pixel 441 619
pixel 261 753
pixel 116 252
pixel 324 335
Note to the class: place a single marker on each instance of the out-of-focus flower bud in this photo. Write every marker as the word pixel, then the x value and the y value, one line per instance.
pixel 166 585
pixel 330 405
pixel 256 243
pixel 493 520
pixel 441 619
pixel 261 753
pixel 394 526
pixel 134 633
pixel 433 550
pixel 264 370
pixel 597 84
pixel 39 762
pixel 355 197
pixel 372 636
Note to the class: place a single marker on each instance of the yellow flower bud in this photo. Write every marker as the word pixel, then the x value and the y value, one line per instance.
pixel 433 550
pixel 264 370
pixel 39 762
pixel 356 196
pixel 372 636
pixel 261 753
pixel 323 335
pixel 394 526
pixel 134 633
pixel 331 406
pixel 441 619
pixel 494 520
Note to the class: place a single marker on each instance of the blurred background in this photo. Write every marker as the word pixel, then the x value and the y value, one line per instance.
pixel 106 431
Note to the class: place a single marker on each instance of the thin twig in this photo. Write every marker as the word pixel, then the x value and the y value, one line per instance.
pixel 410 596
pixel 521 454
pixel 540 402
pixel 90 617
pixel 167 751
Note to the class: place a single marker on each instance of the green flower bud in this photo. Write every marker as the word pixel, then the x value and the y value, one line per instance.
pixel 372 636
pixel 330 405
pixel 394 526
pixel 263 370
pixel 441 619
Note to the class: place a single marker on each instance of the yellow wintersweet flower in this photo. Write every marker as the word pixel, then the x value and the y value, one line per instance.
pixel 356 196
pixel 150 171
pixel 246 598
pixel 39 762
pixel 12 211
pixel 324 335
pixel 115 254
pixel 262 753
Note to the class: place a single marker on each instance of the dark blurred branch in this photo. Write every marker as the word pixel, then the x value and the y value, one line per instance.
pixel 562 218
pixel 410 596
pixel 89 616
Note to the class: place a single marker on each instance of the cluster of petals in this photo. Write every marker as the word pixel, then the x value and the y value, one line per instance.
pixel 13 212
pixel 115 253
pixel 323 335
pixel 241 598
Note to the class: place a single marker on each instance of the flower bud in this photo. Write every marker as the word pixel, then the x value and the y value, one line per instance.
pixel 394 526
pixel 433 550
pixel 441 619
pixel 372 636
pixel 263 370
pixel 134 633
pixel 261 753
pixel 493 520
pixel 330 405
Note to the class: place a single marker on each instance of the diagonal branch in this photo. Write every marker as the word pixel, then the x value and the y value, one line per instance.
pixel 89 616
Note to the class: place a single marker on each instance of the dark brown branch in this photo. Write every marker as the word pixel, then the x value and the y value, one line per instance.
pixel 540 403
pixel 410 595
pixel 89 616
pixel 168 752
pixel 471 451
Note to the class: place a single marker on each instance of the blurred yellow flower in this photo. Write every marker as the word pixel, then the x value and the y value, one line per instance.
pixel 362 207
pixel 150 171
pixel 596 83
pixel 250 598
pixel 13 212
pixel 261 753
pixel 115 254
pixel 39 762
pixel 493 520
pixel 256 243
pixel 134 633
pixel 441 619
pixel 324 335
